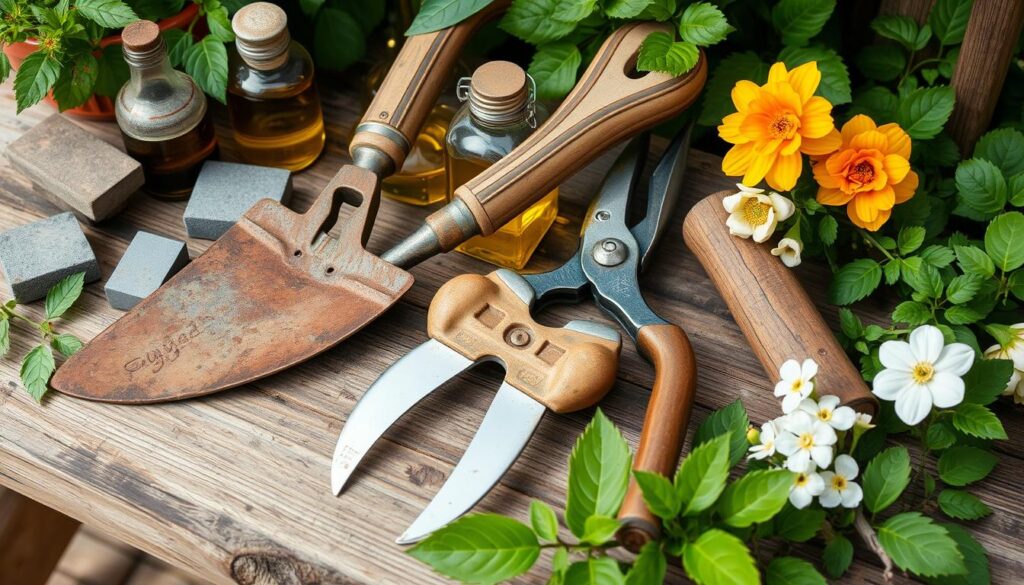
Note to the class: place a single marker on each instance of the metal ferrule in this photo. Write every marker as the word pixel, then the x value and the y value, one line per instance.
pixel 445 229
pixel 373 160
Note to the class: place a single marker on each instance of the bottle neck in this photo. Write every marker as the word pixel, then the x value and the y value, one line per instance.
pixel 152 65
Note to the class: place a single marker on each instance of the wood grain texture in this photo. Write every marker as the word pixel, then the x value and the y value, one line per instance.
pixel 236 486
pixel 985 54
pixel 915 9
pixel 32 539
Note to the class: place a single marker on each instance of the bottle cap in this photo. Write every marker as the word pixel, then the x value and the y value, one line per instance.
pixel 499 93
pixel 142 43
pixel 261 35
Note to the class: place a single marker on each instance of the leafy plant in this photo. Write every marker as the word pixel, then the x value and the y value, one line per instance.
pixel 38 364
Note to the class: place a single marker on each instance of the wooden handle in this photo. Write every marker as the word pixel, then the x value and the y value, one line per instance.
pixel 770 306
pixel 412 86
pixel 668 411
pixel 609 103
pixel 563 368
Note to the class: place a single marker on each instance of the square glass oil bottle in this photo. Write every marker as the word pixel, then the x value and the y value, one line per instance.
pixel 499 113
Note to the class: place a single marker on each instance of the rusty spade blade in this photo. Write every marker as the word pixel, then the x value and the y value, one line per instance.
pixel 272 292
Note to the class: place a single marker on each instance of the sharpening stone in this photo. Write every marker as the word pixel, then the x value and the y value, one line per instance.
pixel 225 191
pixel 149 261
pixel 74 169
pixel 36 256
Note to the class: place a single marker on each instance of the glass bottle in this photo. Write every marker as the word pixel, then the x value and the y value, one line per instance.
pixel 498 114
pixel 162 115
pixel 273 103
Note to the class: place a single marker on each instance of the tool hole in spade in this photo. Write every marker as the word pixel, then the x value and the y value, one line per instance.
pixel 336 223
pixel 631 71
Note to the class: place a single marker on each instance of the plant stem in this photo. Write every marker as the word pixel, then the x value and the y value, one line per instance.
pixel 871 240
pixel 870 537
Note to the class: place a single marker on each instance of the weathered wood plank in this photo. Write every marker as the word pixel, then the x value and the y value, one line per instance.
pixel 32 539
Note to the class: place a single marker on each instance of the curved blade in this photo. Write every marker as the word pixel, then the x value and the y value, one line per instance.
pixel 662 194
pixel 504 432
pixel 398 389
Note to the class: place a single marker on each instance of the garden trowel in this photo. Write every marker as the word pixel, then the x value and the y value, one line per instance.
pixel 280 287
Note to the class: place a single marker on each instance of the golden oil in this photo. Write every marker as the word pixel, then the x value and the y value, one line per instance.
pixel 422 178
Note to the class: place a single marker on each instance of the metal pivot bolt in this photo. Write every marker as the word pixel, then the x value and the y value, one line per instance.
pixel 519 337
pixel 610 252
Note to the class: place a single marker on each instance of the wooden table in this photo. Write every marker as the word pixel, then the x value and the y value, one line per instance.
pixel 235 487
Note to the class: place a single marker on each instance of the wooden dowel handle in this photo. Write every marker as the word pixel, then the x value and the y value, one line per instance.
pixel 610 103
pixel 770 305
pixel 668 411
pixel 413 84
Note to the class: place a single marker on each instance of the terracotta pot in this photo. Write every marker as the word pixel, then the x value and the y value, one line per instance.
pixel 96 107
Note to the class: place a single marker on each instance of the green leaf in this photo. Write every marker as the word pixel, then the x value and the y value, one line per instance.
pixel 981 189
pixel 220 25
pixel 5 335
pixel 938 256
pixel 910 238
pixel 917 544
pixel 1015 284
pixel 975 261
pixel 5 67
pixel 659 494
pixel 76 82
pixel 207 63
pixel 594 571
pixel 986 380
pixel 113 71
pixel 717 101
pixel 939 436
pixel 68 345
pixel 36 370
pixel 598 473
pixel 850 324
pixel 961 465
pixel 703 24
pixel 891 271
pixel 828 229
pixel 34 78
pixel 659 52
pixel 901 29
pixel 799 20
pixel 855 281
pixel 923 112
pixel 878 102
pixel 437 14
pixel 974 558
pixel 701 477
pixel 923 278
pixel 178 43
pixel 575 11
pixel 835 79
pixel 543 520
pixel 107 13
pixel 480 548
pixel 912 313
pixel 799 525
pixel 1004 240
pixel 731 419
pixel 626 8
pixel 962 505
pixel 837 556
pixel 534 21
pixel 598 530
pixel 64 294
pixel 338 40
pixel 948 20
pixel 755 497
pixel 881 63
pixel 156 9
pixel 885 478
pixel 963 288
pixel 978 421
pixel 1003 147
pixel 1015 190
pixel 554 68
pixel 649 567
pixel 719 558
pixel 792 571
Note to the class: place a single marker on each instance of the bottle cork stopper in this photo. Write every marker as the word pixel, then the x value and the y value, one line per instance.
pixel 498 92
pixel 141 36
pixel 261 34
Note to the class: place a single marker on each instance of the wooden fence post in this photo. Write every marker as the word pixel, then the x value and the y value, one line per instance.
pixel 916 9
pixel 32 539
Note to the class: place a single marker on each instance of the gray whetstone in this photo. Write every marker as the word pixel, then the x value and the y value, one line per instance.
pixel 36 256
pixel 74 169
pixel 147 264
pixel 225 191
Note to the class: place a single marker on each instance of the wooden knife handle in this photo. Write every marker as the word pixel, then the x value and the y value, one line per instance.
pixel 770 305
pixel 668 412
pixel 610 102
pixel 413 84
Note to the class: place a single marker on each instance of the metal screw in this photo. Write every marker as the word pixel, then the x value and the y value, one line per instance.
pixel 602 215
pixel 610 252
pixel 519 337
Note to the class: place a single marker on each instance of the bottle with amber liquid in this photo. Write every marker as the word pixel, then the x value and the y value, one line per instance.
pixel 499 113
pixel 162 115
pixel 272 98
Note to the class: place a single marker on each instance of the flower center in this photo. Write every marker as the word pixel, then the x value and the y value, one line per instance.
pixel 863 172
pixel 838 482
pixel 825 414
pixel 755 213
pixel 806 441
pixel 782 126
pixel 797 385
pixel 801 480
pixel 923 372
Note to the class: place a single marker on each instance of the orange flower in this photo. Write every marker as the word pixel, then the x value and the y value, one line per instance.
pixel 776 122
pixel 870 173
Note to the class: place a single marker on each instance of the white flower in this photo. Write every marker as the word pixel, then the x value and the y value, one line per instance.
pixel 863 421
pixel 788 251
pixel 1013 351
pixel 828 411
pixel 752 213
pixel 806 485
pixel 796 383
pixel 805 442
pixel 839 485
pixel 921 373
pixel 766 446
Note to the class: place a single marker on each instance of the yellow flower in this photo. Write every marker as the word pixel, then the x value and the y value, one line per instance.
pixel 776 122
pixel 870 173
